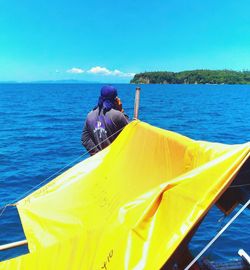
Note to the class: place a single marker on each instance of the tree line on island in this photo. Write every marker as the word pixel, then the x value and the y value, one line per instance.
pixel 193 77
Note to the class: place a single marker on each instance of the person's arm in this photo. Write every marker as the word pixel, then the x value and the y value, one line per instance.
pixel 127 118
pixel 118 107
pixel 87 141
pixel 123 120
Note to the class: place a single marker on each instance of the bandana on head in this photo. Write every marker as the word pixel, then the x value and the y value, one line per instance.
pixel 107 98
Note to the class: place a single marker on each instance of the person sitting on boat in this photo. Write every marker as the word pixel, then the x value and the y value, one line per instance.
pixel 104 122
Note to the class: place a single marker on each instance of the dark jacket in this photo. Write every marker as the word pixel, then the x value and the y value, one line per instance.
pixel 102 128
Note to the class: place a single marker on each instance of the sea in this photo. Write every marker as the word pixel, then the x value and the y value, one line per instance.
pixel 40 131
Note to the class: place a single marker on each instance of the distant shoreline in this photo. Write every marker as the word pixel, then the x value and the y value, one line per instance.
pixel 212 77
pixel 115 83
pixel 51 82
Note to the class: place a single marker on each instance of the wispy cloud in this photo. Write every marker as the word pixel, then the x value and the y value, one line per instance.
pixel 75 70
pixel 107 72
pixel 99 70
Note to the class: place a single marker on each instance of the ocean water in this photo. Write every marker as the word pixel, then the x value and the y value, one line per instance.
pixel 40 130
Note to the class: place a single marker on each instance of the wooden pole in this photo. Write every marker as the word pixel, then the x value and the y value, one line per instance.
pixel 13 245
pixel 137 102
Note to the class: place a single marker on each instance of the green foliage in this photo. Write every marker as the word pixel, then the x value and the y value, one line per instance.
pixel 193 77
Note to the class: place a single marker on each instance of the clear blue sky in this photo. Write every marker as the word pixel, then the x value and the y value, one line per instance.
pixel 110 40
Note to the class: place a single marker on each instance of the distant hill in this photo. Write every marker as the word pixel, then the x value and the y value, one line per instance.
pixel 50 82
pixel 7 82
pixel 63 82
pixel 193 77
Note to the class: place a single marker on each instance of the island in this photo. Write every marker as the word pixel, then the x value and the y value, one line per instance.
pixel 193 77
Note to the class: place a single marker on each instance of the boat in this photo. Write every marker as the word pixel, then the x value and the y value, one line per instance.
pixel 134 205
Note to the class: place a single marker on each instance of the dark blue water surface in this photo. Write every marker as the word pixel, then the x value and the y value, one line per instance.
pixel 41 124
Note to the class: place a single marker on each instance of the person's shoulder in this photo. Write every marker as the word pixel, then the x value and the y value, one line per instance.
pixel 92 112
pixel 115 112
pixel 118 116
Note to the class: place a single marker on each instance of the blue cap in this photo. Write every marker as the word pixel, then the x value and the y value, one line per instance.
pixel 107 98
pixel 109 92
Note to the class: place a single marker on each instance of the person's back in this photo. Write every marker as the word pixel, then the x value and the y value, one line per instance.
pixel 104 122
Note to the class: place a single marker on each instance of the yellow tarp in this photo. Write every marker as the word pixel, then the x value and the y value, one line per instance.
pixel 129 206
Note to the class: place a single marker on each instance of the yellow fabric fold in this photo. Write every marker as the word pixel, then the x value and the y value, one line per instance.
pixel 129 206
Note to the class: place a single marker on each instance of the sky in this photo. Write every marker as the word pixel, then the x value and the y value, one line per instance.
pixel 111 40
